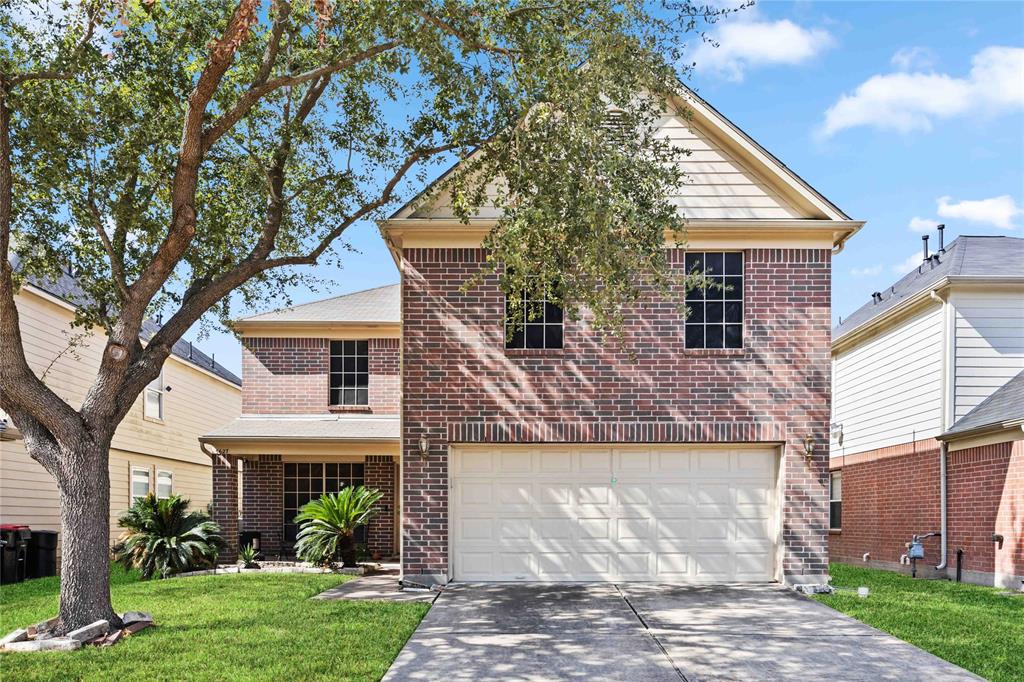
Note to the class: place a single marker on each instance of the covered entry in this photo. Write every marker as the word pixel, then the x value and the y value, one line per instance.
pixel 673 513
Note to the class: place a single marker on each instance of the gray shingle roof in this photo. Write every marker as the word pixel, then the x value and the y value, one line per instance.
pixel 328 427
pixel 67 289
pixel 381 304
pixel 1006 404
pixel 965 258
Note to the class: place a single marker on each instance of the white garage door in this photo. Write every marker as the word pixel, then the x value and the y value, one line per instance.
pixel 670 514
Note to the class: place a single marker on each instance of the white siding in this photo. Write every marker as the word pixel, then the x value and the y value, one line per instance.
pixel 888 390
pixel 989 344
pixel 717 186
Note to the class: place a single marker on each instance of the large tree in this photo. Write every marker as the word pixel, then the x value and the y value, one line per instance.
pixel 176 152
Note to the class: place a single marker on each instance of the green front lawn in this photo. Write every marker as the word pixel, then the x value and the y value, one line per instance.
pixel 974 627
pixel 226 627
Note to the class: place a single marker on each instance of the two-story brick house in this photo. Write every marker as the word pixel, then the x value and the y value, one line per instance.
pixel 694 451
pixel 320 410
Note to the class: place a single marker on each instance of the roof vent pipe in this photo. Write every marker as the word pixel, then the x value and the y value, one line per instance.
pixel 924 245
pixel 942 239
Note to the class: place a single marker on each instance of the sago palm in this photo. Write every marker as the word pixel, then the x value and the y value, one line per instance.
pixel 162 537
pixel 328 524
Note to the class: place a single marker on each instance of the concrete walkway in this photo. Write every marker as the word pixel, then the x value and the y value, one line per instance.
pixel 651 632
pixel 380 586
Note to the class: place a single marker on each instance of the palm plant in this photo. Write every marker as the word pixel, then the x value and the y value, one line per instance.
pixel 162 537
pixel 328 524
pixel 247 555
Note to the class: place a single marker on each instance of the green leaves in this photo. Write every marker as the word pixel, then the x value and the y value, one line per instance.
pixel 162 537
pixel 328 524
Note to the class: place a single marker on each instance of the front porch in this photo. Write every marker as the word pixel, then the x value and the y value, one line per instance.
pixel 260 482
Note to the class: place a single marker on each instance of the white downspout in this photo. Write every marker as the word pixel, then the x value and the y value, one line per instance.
pixel 943 447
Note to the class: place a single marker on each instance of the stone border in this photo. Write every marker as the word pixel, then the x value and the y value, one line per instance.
pixel 280 567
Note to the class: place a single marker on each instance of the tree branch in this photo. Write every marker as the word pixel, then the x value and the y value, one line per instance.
pixel 116 265
pixel 249 99
pixel 474 45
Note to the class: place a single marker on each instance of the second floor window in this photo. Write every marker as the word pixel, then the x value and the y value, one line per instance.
pixel 716 312
pixel 154 398
pixel 542 323
pixel 350 373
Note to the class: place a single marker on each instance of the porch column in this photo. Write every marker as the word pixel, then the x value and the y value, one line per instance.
pixel 380 475
pixel 225 504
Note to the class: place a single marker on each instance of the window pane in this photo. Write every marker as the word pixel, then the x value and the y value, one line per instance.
pixel 350 364
pixel 713 263
pixel 348 380
pixel 693 262
pixel 695 294
pixel 336 364
pixel 336 347
pixel 734 288
pixel 835 515
pixel 713 312
pixel 362 379
pixel 348 347
pixel 357 472
pixel 713 336
pixel 304 470
pixel 164 484
pixel 154 404
pixel 140 482
pixel 291 469
pixel 696 312
pixel 715 292
pixel 362 347
pixel 733 311
pixel 552 313
pixel 694 336
pixel 836 492
pixel 348 396
pixel 534 336
pixel 335 396
pixel 553 335
pixel 362 396
pixel 734 336
pixel 362 364
pixel 734 263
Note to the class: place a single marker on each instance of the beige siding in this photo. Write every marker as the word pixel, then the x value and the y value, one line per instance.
pixel 888 390
pixel 989 344
pixel 717 186
pixel 197 403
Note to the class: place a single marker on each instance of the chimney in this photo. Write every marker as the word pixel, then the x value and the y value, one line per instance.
pixel 924 244
pixel 942 239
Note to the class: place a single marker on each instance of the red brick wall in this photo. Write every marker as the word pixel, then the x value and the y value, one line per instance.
pixel 263 501
pixel 379 474
pixel 888 496
pixel 460 384
pixel 225 504
pixel 887 500
pixel 291 376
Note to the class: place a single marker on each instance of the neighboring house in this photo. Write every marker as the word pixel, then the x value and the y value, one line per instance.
pixel 320 410
pixel 693 451
pixel 927 384
pixel 153 450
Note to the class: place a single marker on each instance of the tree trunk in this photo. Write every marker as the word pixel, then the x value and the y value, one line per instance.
pixel 347 550
pixel 85 537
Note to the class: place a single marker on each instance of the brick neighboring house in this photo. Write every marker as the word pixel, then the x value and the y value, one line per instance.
pixel 928 384
pixel 696 451
pixel 320 410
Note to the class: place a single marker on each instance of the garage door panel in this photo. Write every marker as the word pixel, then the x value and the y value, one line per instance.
pixel 576 514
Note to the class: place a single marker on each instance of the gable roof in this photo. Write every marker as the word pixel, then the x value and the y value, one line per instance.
pixel 67 289
pixel 1005 405
pixel 380 305
pixel 966 258
pixel 716 141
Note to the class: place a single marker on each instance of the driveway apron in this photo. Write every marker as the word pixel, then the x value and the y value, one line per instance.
pixel 640 631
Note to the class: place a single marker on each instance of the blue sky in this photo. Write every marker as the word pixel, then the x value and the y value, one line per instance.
pixel 903 114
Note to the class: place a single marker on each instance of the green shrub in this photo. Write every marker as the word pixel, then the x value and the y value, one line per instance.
pixel 247 555
pixel 162 537
pixel 328 525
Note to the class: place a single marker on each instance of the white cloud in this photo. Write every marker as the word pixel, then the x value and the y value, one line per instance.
pixel 922 224
pixel 869 271
pixel 745 42
pixel 909 263
pixel 906 102
pixel 999 211
pixel 908 58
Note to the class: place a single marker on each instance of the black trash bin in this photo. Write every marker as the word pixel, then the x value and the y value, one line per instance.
pixel 42 554
pixel 15 539
pixel 251 537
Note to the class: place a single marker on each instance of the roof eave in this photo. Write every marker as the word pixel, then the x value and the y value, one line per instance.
pixel 983 430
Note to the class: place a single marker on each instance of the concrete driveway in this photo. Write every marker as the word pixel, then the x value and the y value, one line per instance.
pixel 601 631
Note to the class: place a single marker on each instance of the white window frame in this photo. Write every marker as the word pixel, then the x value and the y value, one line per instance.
pixel 155 387
pixel 542 322
pixel 170 475
pixel 131 481
pixel 735 293
pixel 832 499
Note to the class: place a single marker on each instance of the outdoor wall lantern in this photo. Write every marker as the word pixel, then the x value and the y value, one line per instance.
pixel 424 447
pixel 809 447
